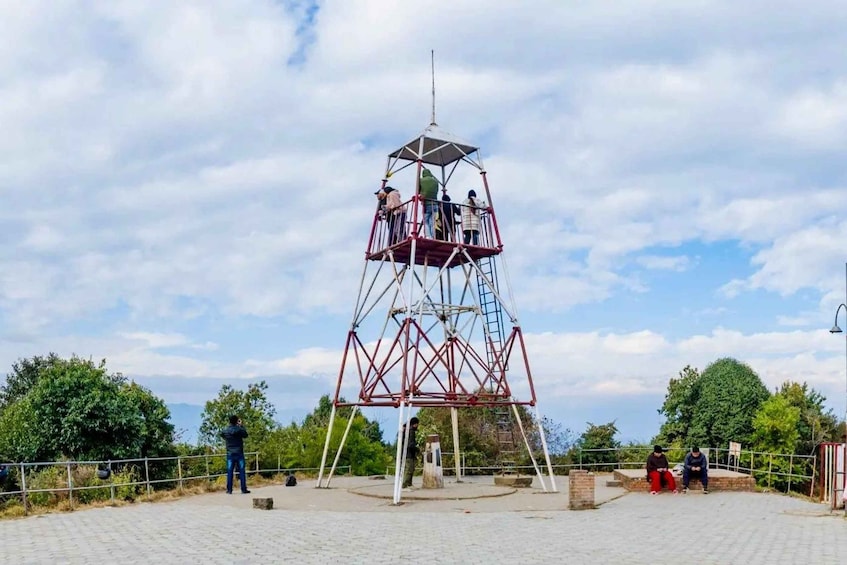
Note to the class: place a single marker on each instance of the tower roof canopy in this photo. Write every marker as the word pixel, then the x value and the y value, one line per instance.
pixel 439 147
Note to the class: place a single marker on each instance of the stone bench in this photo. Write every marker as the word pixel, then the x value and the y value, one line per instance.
pixel 634 480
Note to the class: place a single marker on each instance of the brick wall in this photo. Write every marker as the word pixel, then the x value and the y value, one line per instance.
pixel 744 483
pixel 580 490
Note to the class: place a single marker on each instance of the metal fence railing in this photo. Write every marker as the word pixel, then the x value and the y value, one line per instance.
pixel 781 471
pixel 786 472
pixel 76 478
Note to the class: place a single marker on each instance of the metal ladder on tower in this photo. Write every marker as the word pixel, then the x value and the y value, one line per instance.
pixel 506 444
pixel 492 313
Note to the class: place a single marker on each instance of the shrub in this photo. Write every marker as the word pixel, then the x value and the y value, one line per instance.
pixel 52 477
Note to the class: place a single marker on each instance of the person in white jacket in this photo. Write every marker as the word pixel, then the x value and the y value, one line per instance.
pixel 472 207
pixel 395 214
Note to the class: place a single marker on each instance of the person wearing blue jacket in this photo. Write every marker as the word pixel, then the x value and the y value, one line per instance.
pixel 696 464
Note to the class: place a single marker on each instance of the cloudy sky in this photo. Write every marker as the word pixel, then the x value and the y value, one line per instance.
pixel 187 186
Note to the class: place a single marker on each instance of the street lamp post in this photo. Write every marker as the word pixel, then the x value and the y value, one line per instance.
pixel 837 330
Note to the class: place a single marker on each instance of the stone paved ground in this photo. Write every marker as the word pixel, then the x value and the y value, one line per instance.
pixel 321 526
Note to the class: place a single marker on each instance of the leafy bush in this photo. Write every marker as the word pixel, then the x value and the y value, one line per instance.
pixel 84 479
pixel 124 489
pixel 52 477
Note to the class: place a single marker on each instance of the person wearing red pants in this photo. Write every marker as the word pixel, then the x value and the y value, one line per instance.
pixel 657 471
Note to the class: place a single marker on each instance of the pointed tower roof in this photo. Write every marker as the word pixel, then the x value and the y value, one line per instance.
pixel 439 147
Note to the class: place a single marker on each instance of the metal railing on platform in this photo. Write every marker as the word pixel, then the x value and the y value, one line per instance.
pixel 80 477
pixel 779 471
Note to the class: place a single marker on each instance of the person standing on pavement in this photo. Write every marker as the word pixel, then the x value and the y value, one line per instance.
pixel 411 452
pixel 696 464
pixel 657 471
pixel 234 435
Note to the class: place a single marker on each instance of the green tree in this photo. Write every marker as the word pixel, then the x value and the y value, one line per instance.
pixel 157 432
pixel 559 438
pixel 598 437
pixel 711 408
pixel 20 437
pixel 75 409
pixel 301 445
pixel 251 405
pixel 319 417
pixel 678 408
pixel 479 433
pixel 775 432
pixel 816 423
pixel 728 395
pixel 775 426
pixel 83 413
pixel 23 377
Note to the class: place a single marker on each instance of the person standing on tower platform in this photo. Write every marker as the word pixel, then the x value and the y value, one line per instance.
pixel 411 452
pixel 428 191
pixel 394 214
pixel 446 228
pixel 470 217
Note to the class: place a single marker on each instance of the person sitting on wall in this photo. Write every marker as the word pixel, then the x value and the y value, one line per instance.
pixel 696 464
pixel 658 472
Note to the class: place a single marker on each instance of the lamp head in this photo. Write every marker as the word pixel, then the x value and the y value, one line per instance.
pixel 835 329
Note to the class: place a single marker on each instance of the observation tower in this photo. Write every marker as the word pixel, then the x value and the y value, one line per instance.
pixel 434 322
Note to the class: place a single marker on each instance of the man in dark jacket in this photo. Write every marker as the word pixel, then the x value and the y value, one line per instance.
pixel 234 436
pixel 411 452
pixel 657 471
pixel 445 226
pixel 696 464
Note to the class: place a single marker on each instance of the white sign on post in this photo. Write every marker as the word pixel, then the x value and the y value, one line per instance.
pixel 734 453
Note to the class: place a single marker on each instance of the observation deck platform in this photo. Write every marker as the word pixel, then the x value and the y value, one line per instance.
pixel 396 233
pixel 432 252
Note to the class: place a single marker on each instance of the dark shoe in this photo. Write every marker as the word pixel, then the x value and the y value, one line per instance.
pixel 705 491
pixel 229 492
pixel 684 490
pixel 245 492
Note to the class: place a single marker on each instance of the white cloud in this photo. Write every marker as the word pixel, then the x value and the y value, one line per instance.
pixel 798 321
pixel 816 117
pixel 199 183
pixel 166 162
pixel 665 263
pixel 157 340
pixel 563 364
pixel 810 257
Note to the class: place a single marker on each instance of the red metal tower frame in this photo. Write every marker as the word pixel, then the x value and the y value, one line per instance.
pixel 432 325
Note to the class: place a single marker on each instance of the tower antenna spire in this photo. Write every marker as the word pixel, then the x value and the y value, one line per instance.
pixel 432 53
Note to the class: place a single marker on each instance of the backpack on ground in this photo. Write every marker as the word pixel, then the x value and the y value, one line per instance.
pixel 291 481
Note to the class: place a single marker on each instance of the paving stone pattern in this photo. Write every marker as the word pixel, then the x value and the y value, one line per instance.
pixel 626 528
